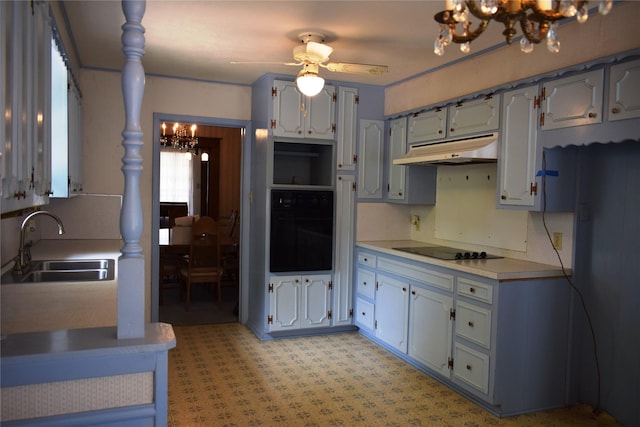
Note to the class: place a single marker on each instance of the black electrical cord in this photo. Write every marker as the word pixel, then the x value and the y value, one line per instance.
pixel 596 410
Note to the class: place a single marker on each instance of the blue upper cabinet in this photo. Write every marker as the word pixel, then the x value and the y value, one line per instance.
pixel 600 105
pixel 298 116
pixel 430 125
pixel 25 96
pixel 624 91
pixel 407 184
pixel 347 131
pixel 572 101
pixel 455 121
pixel 475 116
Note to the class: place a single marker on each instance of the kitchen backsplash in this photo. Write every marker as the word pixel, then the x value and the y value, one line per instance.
pixel 517 234
pixel 87 216
pixel 383 221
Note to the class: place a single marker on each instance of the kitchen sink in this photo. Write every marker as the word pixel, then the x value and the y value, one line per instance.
pixel 68 264
pixel 66 276
pixel 76 270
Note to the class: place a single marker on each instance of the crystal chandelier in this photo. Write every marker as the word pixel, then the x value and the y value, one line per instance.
pixel 538 20
pixel 180 138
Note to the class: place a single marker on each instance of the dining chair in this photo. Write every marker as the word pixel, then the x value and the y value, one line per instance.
pixel 230 249
pixel 204 264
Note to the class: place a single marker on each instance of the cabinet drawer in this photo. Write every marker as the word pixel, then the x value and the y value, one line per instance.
pixel 476 290
pixel 417 273
pixel 367 259
pixel 471 367
pixel 473 323
pixel 366 283
pixel 364 314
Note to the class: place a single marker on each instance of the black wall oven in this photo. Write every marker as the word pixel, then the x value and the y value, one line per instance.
pixel 301 234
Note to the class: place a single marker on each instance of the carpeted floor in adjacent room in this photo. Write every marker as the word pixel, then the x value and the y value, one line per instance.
pixel 204 308
pixel 222 375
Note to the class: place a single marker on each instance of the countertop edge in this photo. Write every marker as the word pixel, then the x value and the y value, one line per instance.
pixel 101 340
pixel 503 269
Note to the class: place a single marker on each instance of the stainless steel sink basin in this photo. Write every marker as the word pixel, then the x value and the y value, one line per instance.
pixel 76 270
pixel 66 276
pixel 79 264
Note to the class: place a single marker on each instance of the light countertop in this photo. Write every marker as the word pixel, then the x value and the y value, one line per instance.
pixel 502 269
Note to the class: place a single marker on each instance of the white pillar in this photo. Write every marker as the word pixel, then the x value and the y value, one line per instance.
pixel 131 263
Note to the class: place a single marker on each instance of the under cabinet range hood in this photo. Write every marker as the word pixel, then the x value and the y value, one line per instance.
pixel 475 149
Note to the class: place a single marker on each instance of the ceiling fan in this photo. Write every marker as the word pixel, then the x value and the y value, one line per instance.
pixel 313 54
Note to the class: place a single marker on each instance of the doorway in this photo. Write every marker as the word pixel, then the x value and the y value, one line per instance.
pixel 217 189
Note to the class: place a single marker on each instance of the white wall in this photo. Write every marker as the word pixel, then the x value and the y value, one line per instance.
pixel 385 221
pixel 103 122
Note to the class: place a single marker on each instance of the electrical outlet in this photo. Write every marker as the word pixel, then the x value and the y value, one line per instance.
pixel 557 241
pixel 415 220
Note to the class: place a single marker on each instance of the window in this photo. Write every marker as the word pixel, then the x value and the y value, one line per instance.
pixel 59 124
pixel 176 177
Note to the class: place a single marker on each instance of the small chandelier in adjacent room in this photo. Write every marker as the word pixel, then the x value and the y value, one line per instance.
pixel 183 137
pixel 538 20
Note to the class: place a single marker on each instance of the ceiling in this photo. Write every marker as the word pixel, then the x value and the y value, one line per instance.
pixel 199 39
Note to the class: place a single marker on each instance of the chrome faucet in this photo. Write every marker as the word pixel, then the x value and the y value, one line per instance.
pixel 23 259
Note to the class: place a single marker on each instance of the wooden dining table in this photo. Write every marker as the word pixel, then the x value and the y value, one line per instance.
pixel 164 240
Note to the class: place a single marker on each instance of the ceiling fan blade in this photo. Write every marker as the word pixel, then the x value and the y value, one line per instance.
pixel 266 62
pixel 344 67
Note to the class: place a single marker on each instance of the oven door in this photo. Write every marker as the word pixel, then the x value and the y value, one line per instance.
pixel 301 233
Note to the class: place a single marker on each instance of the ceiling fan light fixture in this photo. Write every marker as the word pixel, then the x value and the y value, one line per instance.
pixel 309 82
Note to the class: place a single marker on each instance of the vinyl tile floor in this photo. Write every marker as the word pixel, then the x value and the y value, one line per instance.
pixel 222 375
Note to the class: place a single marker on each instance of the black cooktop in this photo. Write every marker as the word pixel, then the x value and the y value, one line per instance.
pixel 447 253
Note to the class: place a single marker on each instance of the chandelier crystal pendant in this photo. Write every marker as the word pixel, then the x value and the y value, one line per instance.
pixel 538 20
pixel 183 137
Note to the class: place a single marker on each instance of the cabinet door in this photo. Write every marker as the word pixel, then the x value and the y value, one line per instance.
pixel 288 110
pixel 315 301
pixel 427 126
pixel 75 142
pixel 518 149
pixel 397 148
pixel 6 91
pixel 319 114
pixel 23 95
pixel 471 367
pixel 15 27
pixel 624 91
pixel 572 101
pixel 480 115
pixel 42 137
pixel 371 159
pixel 347 128
pixel 343 257
pixel 430 329
pixel 284 303
pixel 391 312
